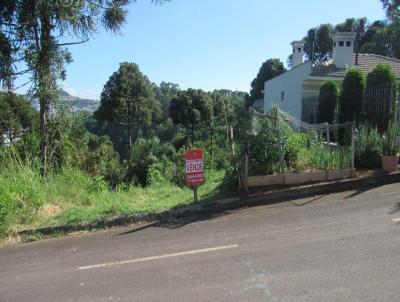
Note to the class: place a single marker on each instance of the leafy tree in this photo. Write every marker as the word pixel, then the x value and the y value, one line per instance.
pixel 352 25
pixel 128 98
pixel 328 102
pixel 376 39
pixel 16 114
pixel 33 32
pixel 352 97
pixel 164 94
pixel 269 69
pixel 392 8
pixel 191 107
pixel 323 44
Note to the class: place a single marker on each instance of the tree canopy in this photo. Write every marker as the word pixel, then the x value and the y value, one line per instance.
pixel 165 92
pixel 323 43
pixel 191 107
pixel 16 115
pixel 392 8
pixel 128 97
pixel 269 69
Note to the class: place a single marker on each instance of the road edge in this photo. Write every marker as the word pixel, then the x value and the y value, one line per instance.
pixel 222 205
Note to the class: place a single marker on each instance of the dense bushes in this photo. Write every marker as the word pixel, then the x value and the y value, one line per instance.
pixel 146 153
pixel 302 151
pixel 352 96
pixel 368 148
pixel 328 102
pixel 382 74
pixel 381 97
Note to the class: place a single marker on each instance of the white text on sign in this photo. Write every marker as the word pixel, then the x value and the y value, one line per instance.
pixel 194 166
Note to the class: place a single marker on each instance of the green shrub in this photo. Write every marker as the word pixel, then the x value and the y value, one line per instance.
pixel 391 144
pixel 145 153
pixel 352 97
pixel 368 147
pixel 328 102
pixel 379 81
pixel 264 156
pixel 102 160
pixel 382 74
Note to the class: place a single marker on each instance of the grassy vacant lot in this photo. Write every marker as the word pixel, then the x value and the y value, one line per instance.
pixel 72 197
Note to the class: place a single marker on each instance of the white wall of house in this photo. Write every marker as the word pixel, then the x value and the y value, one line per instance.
pixel 285 90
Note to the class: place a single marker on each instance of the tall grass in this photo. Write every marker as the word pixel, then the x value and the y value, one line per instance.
pixel 72 196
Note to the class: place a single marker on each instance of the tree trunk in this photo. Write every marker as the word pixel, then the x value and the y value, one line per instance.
pixel 45 85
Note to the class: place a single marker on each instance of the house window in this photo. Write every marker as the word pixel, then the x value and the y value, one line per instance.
pixel 282 96
pixel 299 50
pixel 334 44
pixel 341 43
pixel 348 43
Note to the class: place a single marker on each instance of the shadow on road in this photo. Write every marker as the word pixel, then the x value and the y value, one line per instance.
pixel 174 223
pixel 359 192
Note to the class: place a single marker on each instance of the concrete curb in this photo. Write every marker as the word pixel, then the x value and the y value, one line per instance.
pixel 223 205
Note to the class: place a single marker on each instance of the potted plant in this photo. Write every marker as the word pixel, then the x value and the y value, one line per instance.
pixel 391 148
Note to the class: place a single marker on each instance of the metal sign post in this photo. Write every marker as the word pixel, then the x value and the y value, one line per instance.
pixel 194 170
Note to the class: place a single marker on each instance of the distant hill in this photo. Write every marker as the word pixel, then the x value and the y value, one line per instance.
pixel 67 101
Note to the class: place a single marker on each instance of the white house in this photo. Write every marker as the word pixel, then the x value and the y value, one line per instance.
pixel 297 90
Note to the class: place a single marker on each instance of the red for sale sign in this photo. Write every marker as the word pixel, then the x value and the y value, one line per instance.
pixel 194 167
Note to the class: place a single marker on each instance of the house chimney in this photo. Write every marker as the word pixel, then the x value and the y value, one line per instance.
pixel 298 53
pixel 343 49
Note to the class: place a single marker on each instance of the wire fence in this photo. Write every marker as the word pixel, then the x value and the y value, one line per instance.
pixel 381 106
pixel 291 145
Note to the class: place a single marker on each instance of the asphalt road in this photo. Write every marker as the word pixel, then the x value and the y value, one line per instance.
pixel 341 247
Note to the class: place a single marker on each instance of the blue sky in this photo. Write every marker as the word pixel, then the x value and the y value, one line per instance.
pixel 207 44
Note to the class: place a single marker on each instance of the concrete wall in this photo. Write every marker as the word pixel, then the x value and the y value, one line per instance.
pixel 290 84
pixel 299 178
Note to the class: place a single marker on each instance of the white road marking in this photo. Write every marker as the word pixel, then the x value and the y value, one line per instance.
pixel 396 219
pixel 194 252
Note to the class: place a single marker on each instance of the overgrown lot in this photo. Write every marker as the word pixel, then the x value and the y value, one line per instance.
pixel 72 197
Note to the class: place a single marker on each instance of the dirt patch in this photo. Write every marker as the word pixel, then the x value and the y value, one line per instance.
pixel 49 210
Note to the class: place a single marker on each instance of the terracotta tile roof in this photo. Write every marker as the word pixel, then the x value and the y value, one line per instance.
pixel 366 62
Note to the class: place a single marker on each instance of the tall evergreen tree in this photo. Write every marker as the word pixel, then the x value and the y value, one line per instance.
pixel 128 98
pixel 32 31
